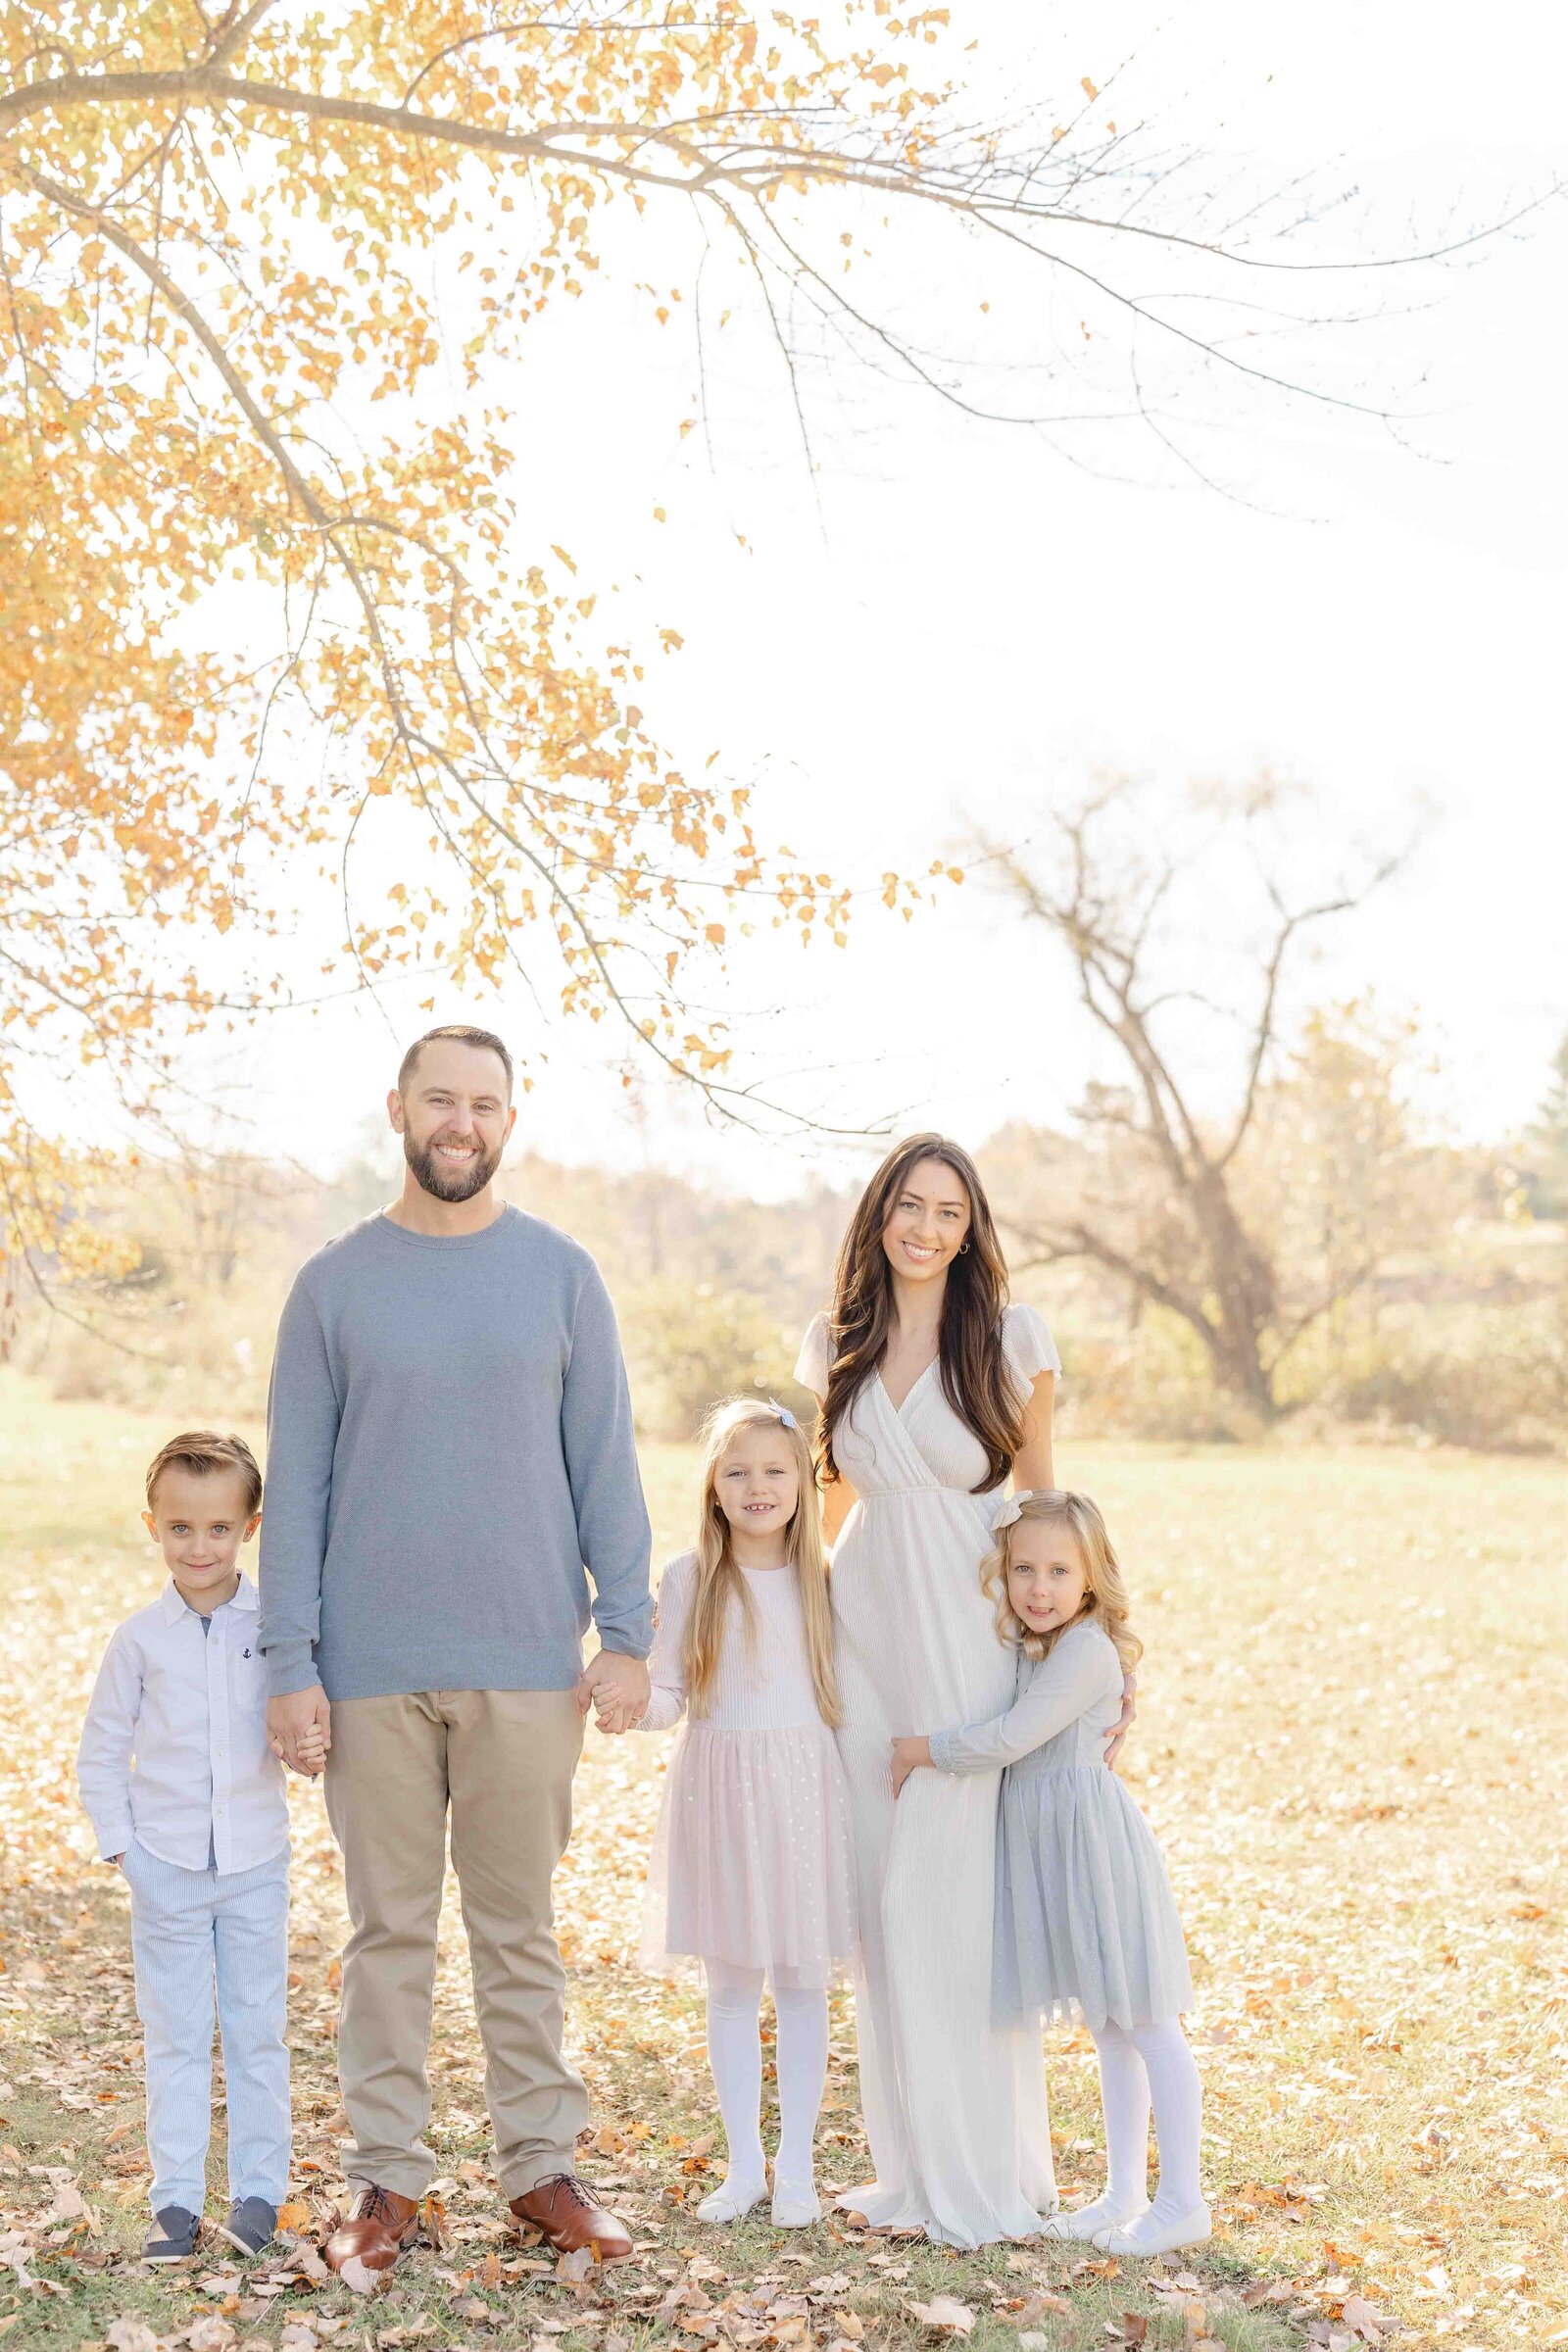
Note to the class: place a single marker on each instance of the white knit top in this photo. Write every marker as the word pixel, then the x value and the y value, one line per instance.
pixel 765 1677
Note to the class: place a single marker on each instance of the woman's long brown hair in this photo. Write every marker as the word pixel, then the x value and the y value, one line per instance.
pixel 974 1374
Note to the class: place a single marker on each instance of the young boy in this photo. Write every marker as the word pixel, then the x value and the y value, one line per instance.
pixel 186 1798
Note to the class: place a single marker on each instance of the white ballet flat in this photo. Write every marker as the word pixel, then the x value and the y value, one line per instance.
pixel 1154 2233
pixel 731 2201
pixel 796 2205
pixel 1083 2225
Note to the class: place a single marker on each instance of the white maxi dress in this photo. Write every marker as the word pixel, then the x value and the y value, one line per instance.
pixel 955 2108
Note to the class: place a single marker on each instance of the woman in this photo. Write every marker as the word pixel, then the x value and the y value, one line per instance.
pixel 932 1389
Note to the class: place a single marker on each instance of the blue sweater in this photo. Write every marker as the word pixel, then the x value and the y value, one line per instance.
pixel 450 1459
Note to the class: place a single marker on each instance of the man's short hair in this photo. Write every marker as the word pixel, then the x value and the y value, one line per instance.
pixel 462 1035
pixel 203 1451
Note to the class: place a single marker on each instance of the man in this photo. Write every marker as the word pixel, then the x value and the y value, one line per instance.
pixel 450 1459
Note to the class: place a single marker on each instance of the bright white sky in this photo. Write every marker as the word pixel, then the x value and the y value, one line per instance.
pixel 974 622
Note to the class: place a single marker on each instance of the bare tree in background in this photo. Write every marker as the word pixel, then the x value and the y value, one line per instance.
pixel 1157 1196
pixel 229 232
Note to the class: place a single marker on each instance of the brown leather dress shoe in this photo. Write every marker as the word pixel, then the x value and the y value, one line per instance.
pixel 564 2209
pixel 380 2226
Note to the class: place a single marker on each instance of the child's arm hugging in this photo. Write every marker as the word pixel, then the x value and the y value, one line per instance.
pixel 108 1739
pixel 1075 1675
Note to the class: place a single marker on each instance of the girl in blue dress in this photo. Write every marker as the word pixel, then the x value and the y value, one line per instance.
pixel 1086 1923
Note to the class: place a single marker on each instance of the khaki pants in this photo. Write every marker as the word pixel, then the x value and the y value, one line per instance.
pixel 503 1761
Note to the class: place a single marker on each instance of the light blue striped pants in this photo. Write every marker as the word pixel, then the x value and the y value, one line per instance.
pixel 191 1931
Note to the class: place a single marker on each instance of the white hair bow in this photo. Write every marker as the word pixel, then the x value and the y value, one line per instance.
pixel 783 1412
pixel 1008 1509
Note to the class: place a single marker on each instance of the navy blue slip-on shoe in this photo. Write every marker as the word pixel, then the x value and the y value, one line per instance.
pixel 172 2236
pixel 250 2224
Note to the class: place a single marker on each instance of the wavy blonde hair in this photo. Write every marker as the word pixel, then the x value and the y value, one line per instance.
pixel 720 1585
pixel 1106 1597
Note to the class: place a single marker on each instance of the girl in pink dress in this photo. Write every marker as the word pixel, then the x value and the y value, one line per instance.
pixel 753 1869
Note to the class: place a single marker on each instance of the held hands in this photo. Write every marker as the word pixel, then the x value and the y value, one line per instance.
pixel 1124 1721
pixel 908 1754
pixel 299 1729
pixel 616 1687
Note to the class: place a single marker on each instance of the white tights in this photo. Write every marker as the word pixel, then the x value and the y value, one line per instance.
pixel 735 2056
pixel 1140 2066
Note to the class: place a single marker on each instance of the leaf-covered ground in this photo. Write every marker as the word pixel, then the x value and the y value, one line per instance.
pixel 1353 1741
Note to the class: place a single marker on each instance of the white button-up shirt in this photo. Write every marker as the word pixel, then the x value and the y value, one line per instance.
pixel 174 1750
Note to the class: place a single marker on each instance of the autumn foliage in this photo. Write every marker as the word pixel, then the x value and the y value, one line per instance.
pixel 253 587
pixel 274 587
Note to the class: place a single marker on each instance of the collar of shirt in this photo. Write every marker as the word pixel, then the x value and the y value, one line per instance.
pixel 174 1605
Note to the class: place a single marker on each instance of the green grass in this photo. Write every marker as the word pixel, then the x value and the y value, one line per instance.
pixel 1352 1740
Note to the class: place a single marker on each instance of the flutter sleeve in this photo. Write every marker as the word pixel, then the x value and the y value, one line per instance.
pixel 1081 1669
pixel 817 1352
pixel 666 1668
pixel 1027 1344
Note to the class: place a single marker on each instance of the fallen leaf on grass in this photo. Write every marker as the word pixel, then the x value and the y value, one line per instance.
pixel 1362 2319
pixel 1037 2307
pixel 210 2333
pixel 69 2205
pixel 1135 2325
pixel 946 2314
pixel 577 2267
pixel 131 2335
pixel 490 2271
pixel 359 2278
pixel 295 2215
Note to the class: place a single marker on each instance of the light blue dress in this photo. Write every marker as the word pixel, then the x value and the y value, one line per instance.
pixel 1086 1922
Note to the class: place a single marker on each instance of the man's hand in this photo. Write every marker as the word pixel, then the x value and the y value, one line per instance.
pixel 299 1729
pixel 1124 1721
pixel 616 1687
pixel 909 1755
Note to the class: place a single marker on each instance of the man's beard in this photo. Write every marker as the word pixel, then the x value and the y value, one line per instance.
pixel 443 1181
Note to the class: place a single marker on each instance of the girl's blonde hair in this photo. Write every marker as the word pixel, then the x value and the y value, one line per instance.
pixel 719 1582
pixel 1106 1595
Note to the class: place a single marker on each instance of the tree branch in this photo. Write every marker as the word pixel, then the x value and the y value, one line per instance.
pixel 1080 1241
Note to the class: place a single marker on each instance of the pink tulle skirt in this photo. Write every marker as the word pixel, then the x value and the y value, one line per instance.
pixel 752 1860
